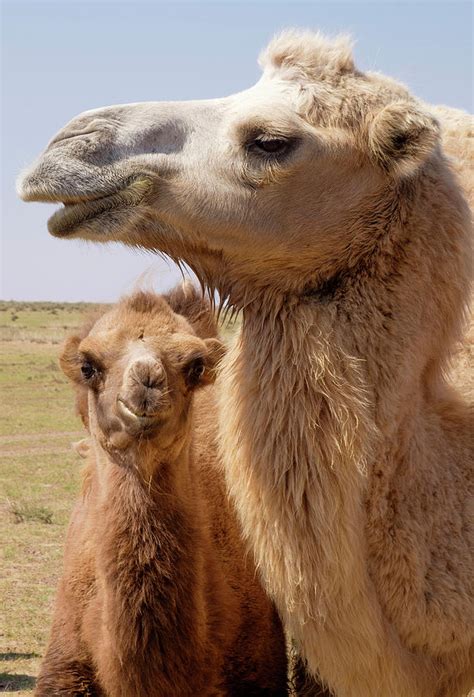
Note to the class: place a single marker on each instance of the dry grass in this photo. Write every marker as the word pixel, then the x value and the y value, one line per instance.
pixel 38 482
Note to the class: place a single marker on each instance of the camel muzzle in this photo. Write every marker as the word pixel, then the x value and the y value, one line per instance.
pixel 65 220
pixel 143 397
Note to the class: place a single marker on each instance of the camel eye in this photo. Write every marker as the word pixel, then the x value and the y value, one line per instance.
pixel 271 146
pixel 194 371
pixel 88 370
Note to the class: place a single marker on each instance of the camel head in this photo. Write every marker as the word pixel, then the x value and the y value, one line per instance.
pixel 260 188
pixel 139 364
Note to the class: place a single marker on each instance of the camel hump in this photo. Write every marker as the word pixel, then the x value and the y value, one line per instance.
pixel 187 300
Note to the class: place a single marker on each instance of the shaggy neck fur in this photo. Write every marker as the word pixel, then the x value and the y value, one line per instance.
pixel 326 402
pixel 150 562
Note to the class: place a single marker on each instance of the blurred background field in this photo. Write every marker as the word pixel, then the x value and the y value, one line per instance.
pixel 39 478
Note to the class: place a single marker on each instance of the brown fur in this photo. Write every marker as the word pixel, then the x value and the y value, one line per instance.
pixel 157 597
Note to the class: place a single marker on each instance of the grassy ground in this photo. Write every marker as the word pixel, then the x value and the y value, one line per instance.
pixel 39 478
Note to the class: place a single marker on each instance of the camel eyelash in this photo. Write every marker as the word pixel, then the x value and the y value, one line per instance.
pixel 88 370
pixel 270 145
pixel 90 366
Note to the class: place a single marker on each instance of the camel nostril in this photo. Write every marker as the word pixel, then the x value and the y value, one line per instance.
pixel 151 382
pixel 145 387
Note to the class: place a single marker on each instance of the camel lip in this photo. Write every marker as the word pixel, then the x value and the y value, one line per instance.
pixel 140 419
pixel 76 211
pixel 37 187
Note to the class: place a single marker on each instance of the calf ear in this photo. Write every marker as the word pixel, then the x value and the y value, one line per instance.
pixel 401 137
pixel 215 350
pixel 215 353
pixel 201 368
pixel 69 359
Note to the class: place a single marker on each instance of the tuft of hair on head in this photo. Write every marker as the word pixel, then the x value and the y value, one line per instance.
pixel 145 302
pixel 187 300
pixel 311 56
pixel 402 136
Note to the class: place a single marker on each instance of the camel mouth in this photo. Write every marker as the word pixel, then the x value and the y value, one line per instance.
pixel 136 419
pixel 128 411
pixel 65 221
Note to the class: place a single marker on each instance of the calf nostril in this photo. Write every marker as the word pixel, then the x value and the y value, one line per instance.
pixel 150 375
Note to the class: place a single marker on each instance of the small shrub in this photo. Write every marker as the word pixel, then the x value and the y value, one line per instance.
pixel 24 512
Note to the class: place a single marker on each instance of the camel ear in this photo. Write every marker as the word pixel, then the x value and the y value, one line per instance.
pixel 70 363
pixel 402 137
pixel 69 359
pixel 215 353
pixel 202 368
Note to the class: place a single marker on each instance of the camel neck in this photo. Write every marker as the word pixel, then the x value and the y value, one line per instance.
pixel 149 549
pixel 150 478
pixel 322 396
pixel 386 333
pixel 387 308
pixel 309 340
pixel 155 471
pixel 300 435
pixel 308 376
pixel 158 507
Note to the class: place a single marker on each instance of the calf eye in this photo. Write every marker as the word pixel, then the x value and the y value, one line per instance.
pixel 88 370
pixel 194 371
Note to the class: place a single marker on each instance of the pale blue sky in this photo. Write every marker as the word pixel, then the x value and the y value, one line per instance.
pixel 60 58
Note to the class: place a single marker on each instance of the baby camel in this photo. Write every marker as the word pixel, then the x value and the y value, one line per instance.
pixel 158 597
